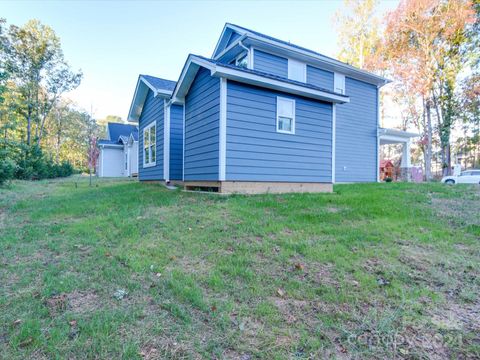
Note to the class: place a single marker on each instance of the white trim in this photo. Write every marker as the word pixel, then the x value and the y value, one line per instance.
pixel 244 76
pixel 378 134
pixel 396 133
pixel 251 56
pixel 291 101
pixel 291 63
pixel 222 156
pixel 156 92
pixel 153 163
pixel 101 162
pixel 334 131
pixel 262 81
pixel 110 146
pixel 243 54
pixel 166 141
pixel 183 145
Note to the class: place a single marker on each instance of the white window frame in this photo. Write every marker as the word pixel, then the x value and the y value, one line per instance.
pixel 301 65
pixel 292 101
pixel 145 129
pixel 339 83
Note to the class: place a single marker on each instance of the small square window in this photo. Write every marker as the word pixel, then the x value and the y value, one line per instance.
pixel 285 115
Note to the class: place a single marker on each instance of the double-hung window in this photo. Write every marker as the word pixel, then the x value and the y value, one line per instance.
pixel 285 115
pixel 149 145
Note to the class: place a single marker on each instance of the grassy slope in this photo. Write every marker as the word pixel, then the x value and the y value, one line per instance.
pixel 271 276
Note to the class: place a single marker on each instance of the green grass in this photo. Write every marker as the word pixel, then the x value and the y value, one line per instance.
pixel 370 271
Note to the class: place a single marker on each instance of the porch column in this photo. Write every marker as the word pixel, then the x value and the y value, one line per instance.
pixel 406 163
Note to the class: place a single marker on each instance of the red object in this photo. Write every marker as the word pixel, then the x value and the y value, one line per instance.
pixel 93 153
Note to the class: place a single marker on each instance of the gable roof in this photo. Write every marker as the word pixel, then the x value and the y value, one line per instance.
pixel 160 87
pixel 287 49
pixel 119 134
pixel 249 76
pixel 116 130
pixel 159 83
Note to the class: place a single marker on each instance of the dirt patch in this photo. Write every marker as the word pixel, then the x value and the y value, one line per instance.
pixel 189 265
pixel 77 302
pixel 82 302
pixel 56 304
pixel 333 210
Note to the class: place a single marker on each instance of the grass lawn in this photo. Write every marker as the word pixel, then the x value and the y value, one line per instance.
pixel 130 270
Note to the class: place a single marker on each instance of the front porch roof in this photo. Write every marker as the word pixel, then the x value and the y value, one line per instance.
pixel 395 136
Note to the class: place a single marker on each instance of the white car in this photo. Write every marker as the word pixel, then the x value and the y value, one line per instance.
pixel 465 177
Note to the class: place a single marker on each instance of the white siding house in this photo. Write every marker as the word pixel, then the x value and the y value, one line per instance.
pixel 118 155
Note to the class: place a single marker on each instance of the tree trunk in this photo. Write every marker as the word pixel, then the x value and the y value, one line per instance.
pixel 29 126
pixel 428 152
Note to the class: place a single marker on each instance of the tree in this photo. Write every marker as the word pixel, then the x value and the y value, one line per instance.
pixel 102 123
pixel 35 60
pixel 422 46
pixel 358 32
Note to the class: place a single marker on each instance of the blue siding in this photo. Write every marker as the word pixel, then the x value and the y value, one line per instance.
pixel 202 115
pixel 356 134
pixel 232 38
pixel 270 64
pixel 319 77
pixel 257 152
pixel 176 142
pixel 152 110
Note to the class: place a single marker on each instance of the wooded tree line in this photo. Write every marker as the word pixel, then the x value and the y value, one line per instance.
pixel 431 51
pixel 42 134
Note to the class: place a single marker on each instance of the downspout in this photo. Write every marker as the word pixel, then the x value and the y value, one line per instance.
pixel 249 54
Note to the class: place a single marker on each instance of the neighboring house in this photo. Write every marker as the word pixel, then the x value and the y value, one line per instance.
pixel 118 155
pixel 261 115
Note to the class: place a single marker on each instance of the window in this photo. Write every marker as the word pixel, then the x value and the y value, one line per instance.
pixel 296 70
pixel 240 61
pixel 285 115
pixel 339 83
pixel 149 145
pixel 466 173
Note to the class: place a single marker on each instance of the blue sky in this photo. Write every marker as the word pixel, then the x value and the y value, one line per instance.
pixel 113 41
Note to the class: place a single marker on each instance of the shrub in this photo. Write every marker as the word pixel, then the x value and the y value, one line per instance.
pixel 388 179
pixel 34 165
pixel 7 170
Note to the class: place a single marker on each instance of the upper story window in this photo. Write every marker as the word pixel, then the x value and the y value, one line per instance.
pixel 297 70
pixel 339 83
pixel 285 115
pixel 149 145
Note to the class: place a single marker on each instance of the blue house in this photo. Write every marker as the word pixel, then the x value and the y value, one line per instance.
pixel 260 115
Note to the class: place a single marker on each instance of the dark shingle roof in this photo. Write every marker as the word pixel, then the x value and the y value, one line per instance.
pixel 286 43
pixel 270 76
pixel 327 58
pixel 116 130
pixel 159 83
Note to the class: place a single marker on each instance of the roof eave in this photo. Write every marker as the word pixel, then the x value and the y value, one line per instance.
pixel 194 63
pixel 278 85
pixel 137 104
pixel 335 65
